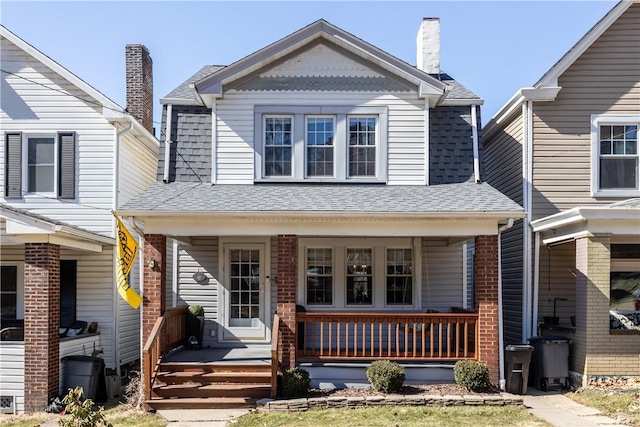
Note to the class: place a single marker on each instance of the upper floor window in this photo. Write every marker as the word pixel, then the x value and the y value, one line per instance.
pixel 320 144
pixel 615 155
pixel 40 164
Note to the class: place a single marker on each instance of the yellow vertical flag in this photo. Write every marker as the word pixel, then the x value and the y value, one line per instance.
pixel 126 252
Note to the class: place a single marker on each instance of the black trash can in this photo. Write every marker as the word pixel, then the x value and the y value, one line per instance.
pixel 517 360
pixel 86 372
pixel 550 367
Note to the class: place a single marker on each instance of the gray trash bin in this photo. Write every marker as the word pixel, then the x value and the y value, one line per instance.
pixel 85 372
pixel 550 367
pixel 517 359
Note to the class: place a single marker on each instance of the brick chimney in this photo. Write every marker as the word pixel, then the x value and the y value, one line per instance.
pixel 428 46
pixel 139 67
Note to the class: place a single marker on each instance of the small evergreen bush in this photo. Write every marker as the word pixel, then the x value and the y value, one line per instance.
pixel 472 375
pixel 295 383
pixel 386 376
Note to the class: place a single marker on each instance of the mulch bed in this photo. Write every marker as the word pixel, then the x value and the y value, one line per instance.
pixel 437 389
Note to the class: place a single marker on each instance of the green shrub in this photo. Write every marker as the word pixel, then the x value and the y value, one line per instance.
pixel 196 310
pixel 472 375
pixel 386 376
pixel 295 383
pixel 80 413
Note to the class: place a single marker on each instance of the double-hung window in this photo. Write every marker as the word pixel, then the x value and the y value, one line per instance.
pixel 615 155
pixel 41 165
pixel 9 292
pixel 359 272
pixel 319 276
pixel 320 144
pixel 399 277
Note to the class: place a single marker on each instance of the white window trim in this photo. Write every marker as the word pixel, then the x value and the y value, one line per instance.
pixel 598 120
pixel 306 146
pixel 376 146
pixel 379 248
pixel 25 165
pixel 299 113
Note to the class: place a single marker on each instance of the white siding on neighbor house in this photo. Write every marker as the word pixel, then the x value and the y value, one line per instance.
pixel 129 319
pixel 83 345
pixel 12 373
pixel 604 80
pixel 201 255
pixel 95 296
pixel 235 130
pixel 138 168
pixel 442 275
pixel 49 105
pixel 169 274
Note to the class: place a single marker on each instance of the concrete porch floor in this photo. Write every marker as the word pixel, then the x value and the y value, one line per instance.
pixel 237 355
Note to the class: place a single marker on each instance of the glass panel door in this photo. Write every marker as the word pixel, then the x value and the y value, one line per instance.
pixel 244 301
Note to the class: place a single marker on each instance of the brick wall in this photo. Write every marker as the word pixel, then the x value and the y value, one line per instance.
pixel 41 324
pixel 486 298
pixel 286 305
pixel 154 290
pixel 139 74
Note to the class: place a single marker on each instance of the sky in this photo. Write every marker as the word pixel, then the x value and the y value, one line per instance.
pixel 491 47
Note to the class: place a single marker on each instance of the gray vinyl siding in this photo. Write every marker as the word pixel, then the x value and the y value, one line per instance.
pixel 604 80
pixel 169 274
pixel 450 145
pixel 471 250
pixel 442 275
pixel 503 170
pixel 201 255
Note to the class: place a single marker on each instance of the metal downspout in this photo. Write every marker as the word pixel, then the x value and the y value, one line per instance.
pixel 167 144
pixel 476 150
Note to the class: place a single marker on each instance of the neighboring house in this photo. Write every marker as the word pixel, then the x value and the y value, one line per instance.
pixel 327 181
pixel 69 156
pixel 567 150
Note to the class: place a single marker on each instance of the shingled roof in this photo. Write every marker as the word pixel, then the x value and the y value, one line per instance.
pixel 463 198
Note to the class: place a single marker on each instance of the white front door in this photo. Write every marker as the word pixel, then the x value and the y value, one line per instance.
pixel 244 293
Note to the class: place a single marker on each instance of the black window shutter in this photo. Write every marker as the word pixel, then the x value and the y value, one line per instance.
pixel 67 165
pixel 13 166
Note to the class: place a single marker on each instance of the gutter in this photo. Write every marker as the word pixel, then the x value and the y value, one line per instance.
pixel 167 144
pixel 502 381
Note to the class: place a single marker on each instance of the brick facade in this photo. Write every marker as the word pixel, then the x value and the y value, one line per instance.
pixel 139 74
pixel 154 291
pixel 486 299
pixel 286 302
pixel 41 324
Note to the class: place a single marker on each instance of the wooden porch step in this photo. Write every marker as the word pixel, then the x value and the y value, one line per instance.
pixel 259 377
pixel 202 403
pixel 213 367
pixel 213 390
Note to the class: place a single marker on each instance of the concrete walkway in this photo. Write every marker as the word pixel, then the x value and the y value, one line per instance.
pixel 201 417
pixel 561 411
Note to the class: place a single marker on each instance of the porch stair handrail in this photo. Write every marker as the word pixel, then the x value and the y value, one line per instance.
pixel 275 336
pixel 388 335
pixel 168 333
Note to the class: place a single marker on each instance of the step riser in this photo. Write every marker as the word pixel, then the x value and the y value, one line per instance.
pixel 200 393
pixel 199 404
pixel 204 380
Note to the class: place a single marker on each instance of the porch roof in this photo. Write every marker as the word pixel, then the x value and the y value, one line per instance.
pixel 24 226
pixel 466 199
pixel 620 218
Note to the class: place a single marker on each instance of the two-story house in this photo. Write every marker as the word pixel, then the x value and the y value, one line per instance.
pixel 328 182
pixel 567 150
pixel 69 157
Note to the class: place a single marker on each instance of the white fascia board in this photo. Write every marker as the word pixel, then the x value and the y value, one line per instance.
pixel 179 101
pixel 139 131
pixel 64 242
pixel 29 227
pixel 587 214
pixel 462 102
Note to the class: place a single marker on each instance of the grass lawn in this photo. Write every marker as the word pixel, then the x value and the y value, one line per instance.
pixel 400 416
pixel 119 416
pixel 624 406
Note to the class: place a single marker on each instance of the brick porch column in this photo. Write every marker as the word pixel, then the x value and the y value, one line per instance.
pixel 154 289
pixel 287 272
pixel 41 324
pixel 486 298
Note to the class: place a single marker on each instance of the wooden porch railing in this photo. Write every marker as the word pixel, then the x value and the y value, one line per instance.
pixel 168 332
pixel 275 336
pixel 394 336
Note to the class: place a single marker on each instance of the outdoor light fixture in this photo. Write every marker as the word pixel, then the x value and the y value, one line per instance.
pixel 200 278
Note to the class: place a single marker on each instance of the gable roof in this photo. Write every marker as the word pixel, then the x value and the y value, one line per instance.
pixel 546 88
pixel 435 87
pixel 111 111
